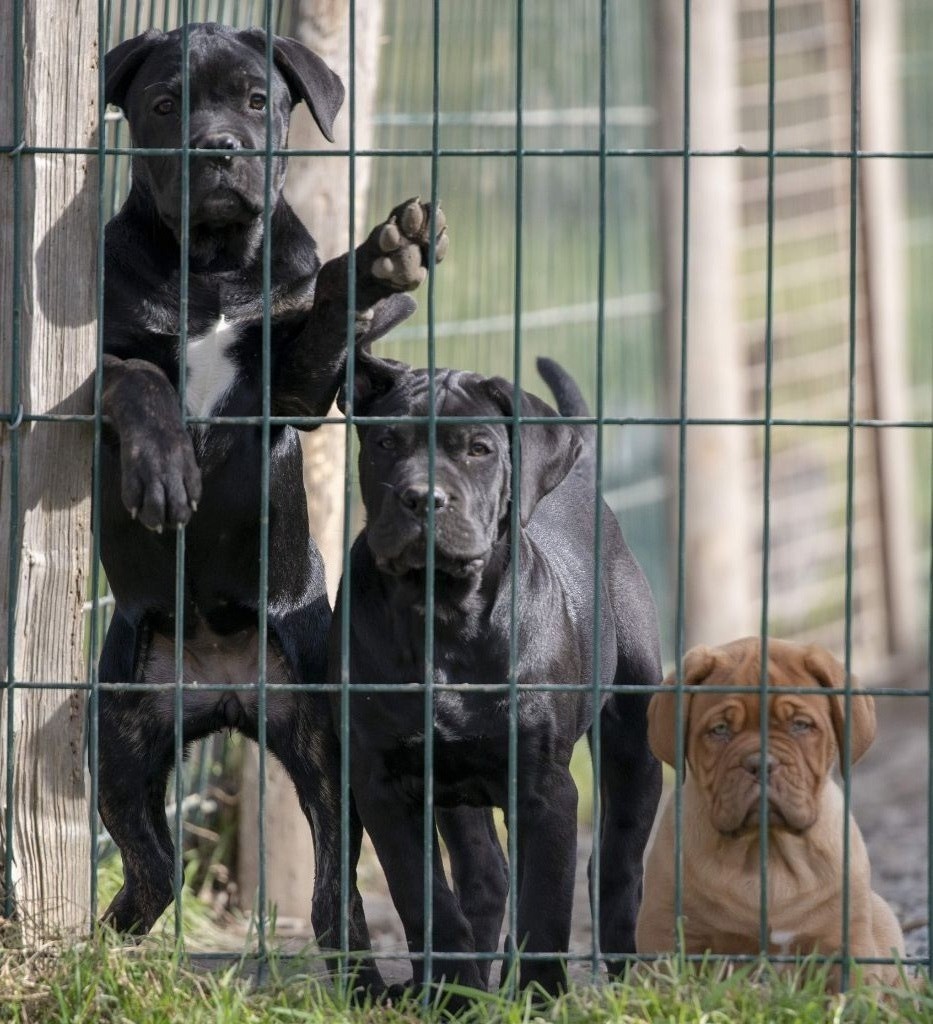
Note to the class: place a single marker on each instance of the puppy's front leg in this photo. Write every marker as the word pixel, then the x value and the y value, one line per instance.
pixel 396 832
pixel 480 874
pixel 393 261
pixel 161 481
pixel 547 858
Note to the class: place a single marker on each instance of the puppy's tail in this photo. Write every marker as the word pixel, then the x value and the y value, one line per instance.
pixel 567 395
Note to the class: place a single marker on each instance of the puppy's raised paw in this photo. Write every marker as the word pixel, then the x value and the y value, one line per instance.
pixel 161 481
pixel 403 244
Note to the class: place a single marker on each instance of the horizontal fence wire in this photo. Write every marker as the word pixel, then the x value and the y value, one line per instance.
pixel 673 152
pixel 15 418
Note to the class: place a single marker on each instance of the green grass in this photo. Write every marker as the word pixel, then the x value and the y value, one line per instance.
pixel 103 982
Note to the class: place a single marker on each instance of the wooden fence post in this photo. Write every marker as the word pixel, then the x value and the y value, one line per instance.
pixel 45 535
pixel 719 604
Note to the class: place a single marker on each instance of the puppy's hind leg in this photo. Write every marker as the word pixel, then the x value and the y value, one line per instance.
pixel 135 758
pixel 630 788
pixel 135 761
pixel 310 752
pixel 480 874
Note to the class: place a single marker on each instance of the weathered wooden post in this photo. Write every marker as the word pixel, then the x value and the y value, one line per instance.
pixel 719 601
pixel 48 300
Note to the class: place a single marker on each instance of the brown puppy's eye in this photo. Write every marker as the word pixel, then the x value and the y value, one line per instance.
pixel 257 100
pixel 165 106
pixel 479 447
pixel 799 726
pixel 720 731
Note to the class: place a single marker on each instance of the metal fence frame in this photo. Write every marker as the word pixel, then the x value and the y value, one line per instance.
pixel 14 416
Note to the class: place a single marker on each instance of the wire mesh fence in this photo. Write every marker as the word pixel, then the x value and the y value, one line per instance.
pixel 545 133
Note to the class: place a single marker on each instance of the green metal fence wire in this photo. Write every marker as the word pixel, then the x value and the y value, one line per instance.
pixel 119 21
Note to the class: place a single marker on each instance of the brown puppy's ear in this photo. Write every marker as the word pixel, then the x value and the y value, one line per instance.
pixel 548 450
pixel 662 710
pixel 829 672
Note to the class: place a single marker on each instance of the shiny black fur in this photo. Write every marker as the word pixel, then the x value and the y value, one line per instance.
pixel 158 473
pixel 472 629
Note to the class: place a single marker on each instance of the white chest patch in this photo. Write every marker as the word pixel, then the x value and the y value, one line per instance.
pixel 783 940
pixel 211 370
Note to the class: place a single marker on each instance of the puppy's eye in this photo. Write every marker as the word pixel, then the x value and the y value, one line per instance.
pixel 720 731
pixel 479 447
pixel 799 726
pixel 164 106
pixel 257 101
pixel 387 443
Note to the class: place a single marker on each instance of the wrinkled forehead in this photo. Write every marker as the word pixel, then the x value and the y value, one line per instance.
pixel 219 65
pixel 705 704
pixel 456 393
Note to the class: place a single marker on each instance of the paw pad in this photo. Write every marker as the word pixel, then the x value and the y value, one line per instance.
pixel 404 240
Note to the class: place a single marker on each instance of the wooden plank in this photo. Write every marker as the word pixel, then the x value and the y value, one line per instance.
pixel 886 275
pixel 48 555
pixel 719 602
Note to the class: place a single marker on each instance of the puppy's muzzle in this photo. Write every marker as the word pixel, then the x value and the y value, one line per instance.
pixel 416 498
pixel 752 764
pixel 224 143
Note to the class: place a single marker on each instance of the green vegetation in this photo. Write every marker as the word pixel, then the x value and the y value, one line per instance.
pixel 102 982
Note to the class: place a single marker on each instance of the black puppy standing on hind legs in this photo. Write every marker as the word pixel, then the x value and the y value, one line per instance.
pixel 472 607
pixel 157 473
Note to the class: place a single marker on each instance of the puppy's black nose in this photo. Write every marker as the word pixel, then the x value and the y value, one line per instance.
pixel 415 499
pixel 223 142
pixel 752 764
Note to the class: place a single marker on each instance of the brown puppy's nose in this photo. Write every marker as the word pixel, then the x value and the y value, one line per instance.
pixel 415 499
pixel 752 764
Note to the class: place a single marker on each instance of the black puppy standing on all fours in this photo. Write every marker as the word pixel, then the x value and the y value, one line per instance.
pixel 157 473
pixel 472 606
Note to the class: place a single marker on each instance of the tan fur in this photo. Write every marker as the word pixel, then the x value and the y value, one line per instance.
pixel 721 880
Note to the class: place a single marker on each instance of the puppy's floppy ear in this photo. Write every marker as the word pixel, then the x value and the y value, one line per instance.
pixel 829 672
pixel 548 450
pixel 308 77
pixel 372 378
pixel 662 709
pixel 123 61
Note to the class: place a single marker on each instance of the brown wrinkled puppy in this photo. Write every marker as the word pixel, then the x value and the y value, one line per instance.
pixel 721 801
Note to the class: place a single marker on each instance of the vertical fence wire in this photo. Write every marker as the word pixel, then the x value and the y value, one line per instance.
pixel 929 638
pixel 262 696
pixel 93 708
pixel 764 699
pixel 428 807
pixel 680 626
pixel 514 963
pixel 179 694
pixel 347 538
pixel 595 732
pixel 854 127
